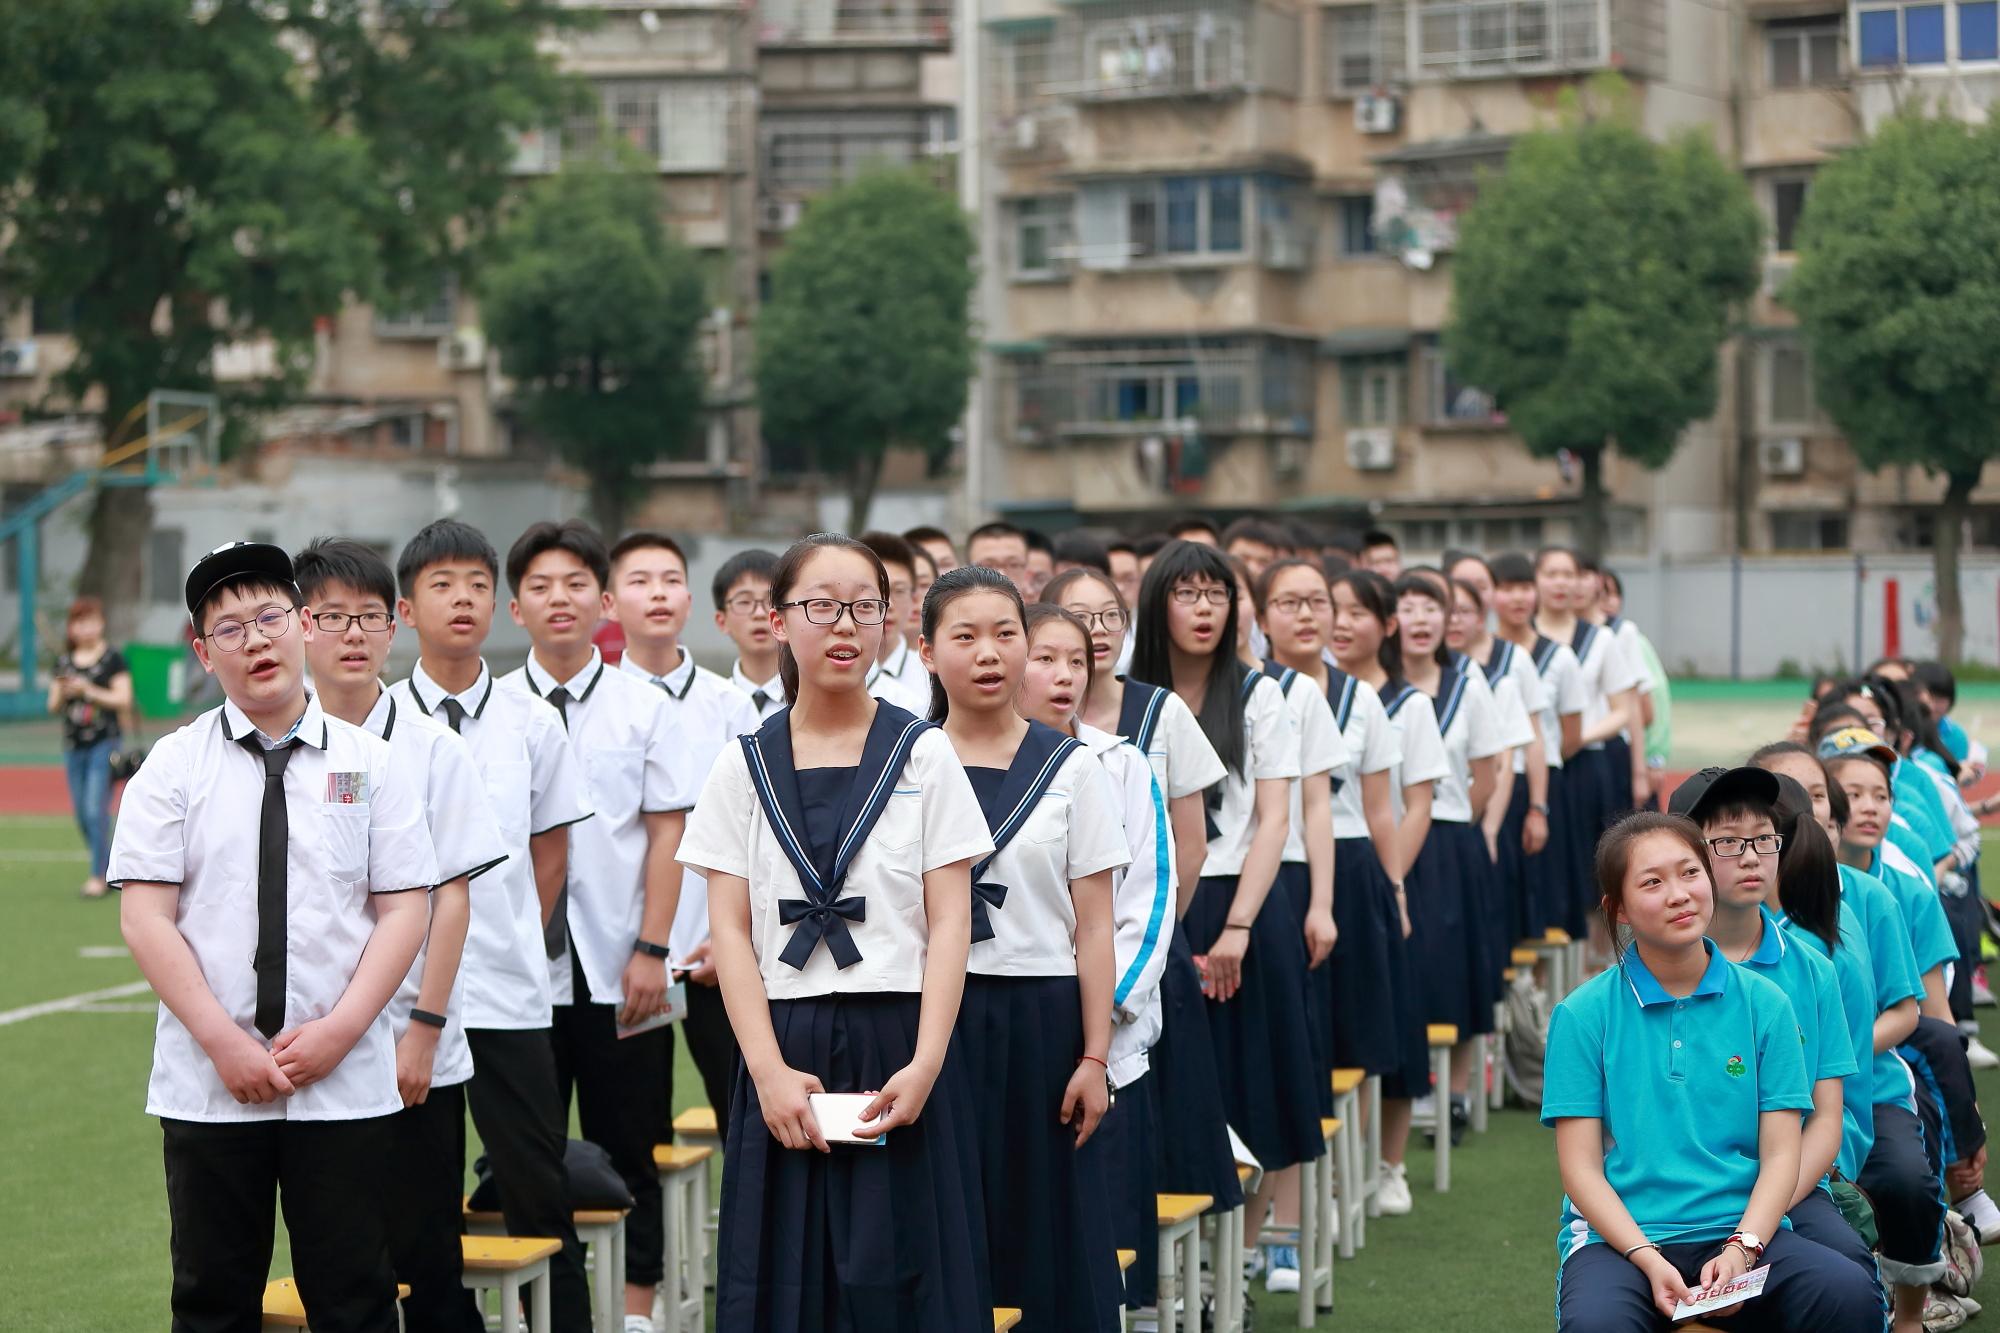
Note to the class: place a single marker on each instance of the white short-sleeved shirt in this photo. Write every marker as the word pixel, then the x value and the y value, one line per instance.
pixel 1322 749
pixel 1183 761
pixel 1142 903
pixel 1372 747
pixel 635 765
pixel 1473 733
pixel 766 696
pixel 1421 756
pixel 1516 690
pixel 889 681
pixel 932 819
pixel 710 713
pixel 1073 831
pixel 1562 693
pixel 468 843
pixel 1270 753
pixel 355 827
pixel 534 784
pixel 1604 672
pixel 1629 637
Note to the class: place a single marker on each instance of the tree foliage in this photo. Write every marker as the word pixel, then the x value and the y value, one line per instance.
pixel 183 174
pixel 1898 290
pixel 865 341
pixel 595 308
pixel 1595 281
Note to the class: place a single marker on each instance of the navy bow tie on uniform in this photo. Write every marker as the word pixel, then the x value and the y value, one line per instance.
pixel 818 921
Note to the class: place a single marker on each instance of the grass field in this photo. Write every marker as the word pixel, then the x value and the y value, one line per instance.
pixel 83 1234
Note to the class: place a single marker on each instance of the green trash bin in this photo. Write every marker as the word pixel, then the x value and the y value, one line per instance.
pixel 159 677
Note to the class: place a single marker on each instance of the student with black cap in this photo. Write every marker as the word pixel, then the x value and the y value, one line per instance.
pixel 273 954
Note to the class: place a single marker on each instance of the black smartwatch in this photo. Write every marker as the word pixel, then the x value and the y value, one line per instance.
pixel 652 950
pixel 427 1018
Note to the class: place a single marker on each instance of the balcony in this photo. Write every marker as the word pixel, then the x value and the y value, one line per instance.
pixel 1469 39
pixel 684 125
pixel 923 23
pixel 1194 221
pixel 1228 385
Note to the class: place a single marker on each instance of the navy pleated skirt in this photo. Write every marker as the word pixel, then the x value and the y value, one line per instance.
pixel 862 1238
pixel 1509 871
pixel 1194 1155
pixel 1546 896
pixel 1451 943
pixel 1411 1074
pixel 1365 1033
pixel 1296 880
pixel 1127 1148
pixel 1617 780
pixel 1048 1216
pixel 1263 1047
pixel 1585 797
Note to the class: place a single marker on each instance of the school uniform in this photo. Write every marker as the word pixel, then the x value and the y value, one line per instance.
pixel 276 846
pixel 766 696
pixel 1561 879
pixel 1631 652
pixel 1053 819
pixel 709 713
pixel 906 664
pixel 533 784
pixel 889 681
pixel 1451 889
pixel 1263 1044
pixel 1369 952
pixel 1143 919
pixel 1595 771
pixel 1420 758
pixel 1517 696
pixel 1679 1086
pixel 426 1177
pixel 1931 938
pixel 635 764
pixel 1193 1152
pixel 885 1237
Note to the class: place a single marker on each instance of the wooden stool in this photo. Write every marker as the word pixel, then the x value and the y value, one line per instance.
pixel 683 1168
pixel 508 1263
pixel 1317 1223
pixel 1350 1174
pixel 1227 1236
pixel 1441 1037
pixel 1179 1217
pixel 602 1232
pixel 1004 1319
pixel 284 1309
pixel 1371 1148
pixel 1126 1258
pixel 1565 960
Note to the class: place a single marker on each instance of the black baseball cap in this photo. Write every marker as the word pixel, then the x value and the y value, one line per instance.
pixel 1713 787
pixel 235 560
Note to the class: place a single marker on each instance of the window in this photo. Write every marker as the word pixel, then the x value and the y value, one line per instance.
pixel 1284 221
pixel 1803 53
pixel 1348 52
pixel 165 564
pixel 1163 55
pixel 431 319
pixel 681 124
pixel 805 151
pixel 1788 201
pixel 49 315
pixel 1225 214
pixel 1356 216
pixel 1042 237
pixel 1179 218
pixel 1469 38
pixel 1978 30
pixel 1371 392
pixel 1136 384
pixel 1449 401
pixel 1905 34
pixel 1789 399
pixel 1807 530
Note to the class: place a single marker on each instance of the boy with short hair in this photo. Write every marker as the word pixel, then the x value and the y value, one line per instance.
pixel 742 593
pixel 898 675
pixel 1380 553
pixel 447 574
pixel 938 542
pixel 1041 564
pixel 609 944
pixel 650 600
pixel 1001 547
pixel 352 592
pixel 274 945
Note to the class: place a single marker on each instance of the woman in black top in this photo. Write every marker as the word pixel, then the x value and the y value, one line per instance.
pixel 91 689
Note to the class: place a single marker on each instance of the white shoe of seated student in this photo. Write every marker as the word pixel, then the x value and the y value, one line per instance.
pixel 638 1323
pixel 1944 1312
pixel 1393 1194
pixel 1978 1056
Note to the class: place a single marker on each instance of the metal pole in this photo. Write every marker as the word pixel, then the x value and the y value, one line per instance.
pixel 1860 590
pixel 1736 617
pixel 29 573
pixel 969 44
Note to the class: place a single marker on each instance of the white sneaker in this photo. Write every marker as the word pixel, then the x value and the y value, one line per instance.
pixel 1944 1312
pixel 1978 1056
pixel 638 1323
pixel 1392 1195
pixel 1282 1274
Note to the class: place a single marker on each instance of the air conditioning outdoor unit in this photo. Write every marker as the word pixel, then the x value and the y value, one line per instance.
pixel 19 357
pixel 464 349
pixel 1781 458
pixel 1371 450
pixel 1377 113
pixel 781 214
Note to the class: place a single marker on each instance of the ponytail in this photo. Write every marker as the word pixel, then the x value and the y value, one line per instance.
pixel 791 565
pixel 950 586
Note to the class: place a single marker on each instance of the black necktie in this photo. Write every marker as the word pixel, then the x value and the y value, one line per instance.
pixel 760 698
pixel 560 698
pixel 273 836
pixel 555 935
pixel 454 713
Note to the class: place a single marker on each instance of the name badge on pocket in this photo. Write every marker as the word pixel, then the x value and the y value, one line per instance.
pixel 347 788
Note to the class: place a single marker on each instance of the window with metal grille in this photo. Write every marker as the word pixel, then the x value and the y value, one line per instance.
pixel 1348 50
pixel 1803 53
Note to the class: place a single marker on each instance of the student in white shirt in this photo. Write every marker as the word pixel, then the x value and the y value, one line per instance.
pixel 448 574
pixel 742 592
pixel 898 675
pixel 650 600
pixel 264 853
pixel 838 843
pixel 1002 547
pixel 938 543
pixel 624 885
pixel 352 592
pixel 1058 679
pixel 924 568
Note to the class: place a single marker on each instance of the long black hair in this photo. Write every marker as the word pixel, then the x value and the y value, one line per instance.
pixel 949 588
pixel 1221 713
pixel 1808 869
pixel 791 565
pixel 1378 598
pixel 1917 719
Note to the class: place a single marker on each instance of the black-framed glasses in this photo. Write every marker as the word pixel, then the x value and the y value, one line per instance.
pixel 748 603
pixel 1765 844
pixel 1291 606
pixel 1187 595
pixel 336 622
pixel 828 611
pixel 1111 621
pixel 230 635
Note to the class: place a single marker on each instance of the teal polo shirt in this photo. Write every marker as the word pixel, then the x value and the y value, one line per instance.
pixel 1854 974
pixel 1917 797
pixel 1678 1085
pixel 1896 975
pixel 1923 911
pixel 1905 838
pixel 1808 982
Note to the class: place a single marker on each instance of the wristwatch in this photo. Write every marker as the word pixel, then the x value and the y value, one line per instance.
pixel 1748 1242
pixel 652 950
pixel 427 1018
pixel 1540 808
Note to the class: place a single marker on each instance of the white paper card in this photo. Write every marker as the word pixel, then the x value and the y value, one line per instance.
pixel 839 1117
pixel 1733 1293
pixel 676 1010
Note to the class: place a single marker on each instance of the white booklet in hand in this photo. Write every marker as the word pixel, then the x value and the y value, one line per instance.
pixel 1732 1293
pixel 839 1117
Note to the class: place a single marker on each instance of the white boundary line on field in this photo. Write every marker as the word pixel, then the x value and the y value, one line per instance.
pixel 71 1002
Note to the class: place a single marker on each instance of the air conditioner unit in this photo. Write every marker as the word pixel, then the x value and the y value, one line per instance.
pixel 1027 133
pixel 1289 459
pixel 1377 113
pixel 1371 450
pixel 19 358
pixel 781 214
pixel 1781 458
pixel 464 349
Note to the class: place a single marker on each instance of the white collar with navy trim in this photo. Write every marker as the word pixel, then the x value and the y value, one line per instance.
pixel 310 729
pixel 676 682
pixel 472 698
pixel 578 686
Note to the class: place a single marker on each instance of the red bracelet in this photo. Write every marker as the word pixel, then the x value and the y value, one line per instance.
pixel 1092 1057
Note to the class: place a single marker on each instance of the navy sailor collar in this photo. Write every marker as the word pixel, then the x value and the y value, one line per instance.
pixel 1037 760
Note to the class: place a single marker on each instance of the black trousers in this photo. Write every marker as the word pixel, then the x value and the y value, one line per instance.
pixel 618 1086
pixel 424 1199
pixel 1811 1290
pixel 711 1043
pixel 1968 925
pixel 224 1182
pixel 1903 1180
pixel 519 1115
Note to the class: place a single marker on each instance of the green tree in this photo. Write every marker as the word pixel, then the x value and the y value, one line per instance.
pixel 1898 293
pixel 865 341
pixel 1594 283
pixel 183 174
pixel 595 309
